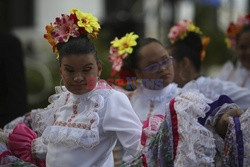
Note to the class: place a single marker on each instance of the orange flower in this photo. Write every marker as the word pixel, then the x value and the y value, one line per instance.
pixel 49 28
pixel 205 42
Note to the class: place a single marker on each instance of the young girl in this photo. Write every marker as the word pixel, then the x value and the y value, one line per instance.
pixel 188 49
pixel 159 103
pixel 171 134
pixel 238 39
pixel 82 125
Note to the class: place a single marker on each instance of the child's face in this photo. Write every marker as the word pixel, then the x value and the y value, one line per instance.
pixel 152 55
pixel 243 49
pixel 75 69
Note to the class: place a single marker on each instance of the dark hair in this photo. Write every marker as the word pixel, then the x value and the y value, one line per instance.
pixel 132 60
pixel 77 46
pixel 244 29
pixel 190 47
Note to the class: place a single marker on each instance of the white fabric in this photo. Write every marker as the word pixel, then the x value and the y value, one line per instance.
pixel 237 74
pixel 196 144
pixel 245 120
pixel 112 118
pixel 213 88
pixel 39 149
pixel 140 100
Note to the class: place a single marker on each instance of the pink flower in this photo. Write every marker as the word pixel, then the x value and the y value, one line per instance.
pixel 116 59
pixel 64 28
pixel 174 32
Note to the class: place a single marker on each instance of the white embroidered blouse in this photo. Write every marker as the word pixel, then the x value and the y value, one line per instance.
pixel 213 88
pixel 82 130
pixel 147 102
pixel 237 74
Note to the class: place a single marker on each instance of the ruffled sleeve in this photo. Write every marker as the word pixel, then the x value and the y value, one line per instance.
pixel 121 118
pixel 237 149
pixel 181 140
pixel 196 144
pixel 20 144
pixel 41 118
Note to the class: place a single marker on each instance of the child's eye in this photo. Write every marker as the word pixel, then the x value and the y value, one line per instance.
pixel 86 69
pixel 69 70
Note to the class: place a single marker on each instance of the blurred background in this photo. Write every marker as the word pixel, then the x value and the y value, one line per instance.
pixel 27 19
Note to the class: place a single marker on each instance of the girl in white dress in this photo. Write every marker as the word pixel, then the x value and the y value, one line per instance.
pixel 171 134
pixel 83 122
pixel 238 39
pixel 188 49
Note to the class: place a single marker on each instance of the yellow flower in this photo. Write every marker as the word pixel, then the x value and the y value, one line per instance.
pixel 87 21
pixel 125 44
pixel 193 28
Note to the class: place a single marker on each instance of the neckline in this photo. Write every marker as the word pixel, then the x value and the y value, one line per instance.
pixel 159 95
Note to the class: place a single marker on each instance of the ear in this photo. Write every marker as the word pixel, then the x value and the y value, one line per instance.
pixel 185 63
pixel 99 68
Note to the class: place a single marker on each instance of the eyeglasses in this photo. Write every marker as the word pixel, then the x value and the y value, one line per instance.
pixel 153 68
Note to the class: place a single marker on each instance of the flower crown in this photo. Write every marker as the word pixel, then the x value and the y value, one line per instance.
pixel 120 48
pixel 234 29
pixel 72 25
pixel 181 30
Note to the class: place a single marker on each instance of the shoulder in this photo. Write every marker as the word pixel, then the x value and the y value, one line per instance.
pixel 115 94
pixel 225 71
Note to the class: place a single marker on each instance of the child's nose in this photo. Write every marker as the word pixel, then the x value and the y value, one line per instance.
pixel 78 77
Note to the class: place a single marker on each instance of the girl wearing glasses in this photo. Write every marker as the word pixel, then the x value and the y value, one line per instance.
pixel 158 103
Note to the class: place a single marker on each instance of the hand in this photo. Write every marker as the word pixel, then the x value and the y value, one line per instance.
pixel 222 125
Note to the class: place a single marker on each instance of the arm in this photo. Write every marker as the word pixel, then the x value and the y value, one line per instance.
pixel 121 118
pixel 240 96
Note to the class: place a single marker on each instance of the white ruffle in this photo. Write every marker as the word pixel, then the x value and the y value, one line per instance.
pixel 245 127
pixel 211 123
pixel 39 149
pixel 192 102
pixel 74 137
pixel 8 128
pixel 41 118
pixel 210 88
pixel 196 144
pixel 71 137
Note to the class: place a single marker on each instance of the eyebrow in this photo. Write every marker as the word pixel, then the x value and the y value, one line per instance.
pixel 162 58
pixel 89 64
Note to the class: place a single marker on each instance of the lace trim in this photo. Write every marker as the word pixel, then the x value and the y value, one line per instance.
pixel 196 144
pixel 211 91
pixel 192 102
pixel 236 154
pixel 213 119
pixel 72 137
pixel 8 128
pixel 41 118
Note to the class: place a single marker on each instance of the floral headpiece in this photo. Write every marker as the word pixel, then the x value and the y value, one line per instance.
pixel 72 25
pixel 234 29
pixel 120 48
pixel 181 30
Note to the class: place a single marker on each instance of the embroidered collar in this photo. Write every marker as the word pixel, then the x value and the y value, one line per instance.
pixel 168 93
